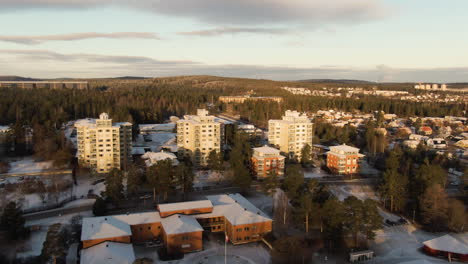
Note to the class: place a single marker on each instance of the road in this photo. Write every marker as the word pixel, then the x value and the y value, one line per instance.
pixel 57 212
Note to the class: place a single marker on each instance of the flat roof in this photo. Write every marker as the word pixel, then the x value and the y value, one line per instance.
pixel 171 207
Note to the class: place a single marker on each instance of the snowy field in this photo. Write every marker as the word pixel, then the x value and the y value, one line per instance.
pixel 155 140
pixel 33 246
pixel 403 243
pixel 213 252
pixel 28 165
pixel 358 190
pixel 314 173
pixel 206 178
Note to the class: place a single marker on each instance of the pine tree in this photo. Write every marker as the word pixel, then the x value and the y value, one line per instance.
pixel 114 186
pixel 12 221
pixel 293 180
pixel 306 155
pixel 271 183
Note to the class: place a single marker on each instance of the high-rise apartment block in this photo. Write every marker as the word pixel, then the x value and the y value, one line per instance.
pixel 102 145
pixel 197 136
pixel 291 133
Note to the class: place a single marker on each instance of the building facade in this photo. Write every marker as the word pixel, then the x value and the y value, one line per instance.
pixel 343 159
pixel 291 133
pixel 265 160
pixel 179 226
pixel 242 98
pixel 197 136
pixel 103 146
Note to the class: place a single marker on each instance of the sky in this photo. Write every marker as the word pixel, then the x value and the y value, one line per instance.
pixel 374 40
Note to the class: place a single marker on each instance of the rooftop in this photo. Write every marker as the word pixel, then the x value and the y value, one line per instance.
pixel 179 224
pixel 447 243
pixel 108 252
pixel 171 207
pixel 267 150
pixel 115 225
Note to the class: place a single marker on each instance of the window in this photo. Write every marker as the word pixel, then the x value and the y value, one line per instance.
pixel 149 227
pixel 239 230
pixel 246 228
pixel 185 238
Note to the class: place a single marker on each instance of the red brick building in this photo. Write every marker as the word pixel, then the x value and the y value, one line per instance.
pixel 266 159
pixel 180 225
pixel 343 159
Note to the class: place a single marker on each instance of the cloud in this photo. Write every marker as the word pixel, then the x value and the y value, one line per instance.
pixel 235 12
pixel 49 64
pixel 30 40
pixel 235 30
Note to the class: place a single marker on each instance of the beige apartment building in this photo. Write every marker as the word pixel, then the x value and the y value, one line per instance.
pixel 291 133
pixel 198 135
pixel 102 145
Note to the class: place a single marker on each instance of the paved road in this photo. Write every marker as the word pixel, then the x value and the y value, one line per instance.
pixel 57 212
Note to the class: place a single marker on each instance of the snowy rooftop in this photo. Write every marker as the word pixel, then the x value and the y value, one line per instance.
pixel 344 148
pixel 153 157
pixel 265 150
pixel 104 227
pixel 179 224
pixel 171 207
pixel 108 252
pixel 236 209
pixel 157 127
pixel 116 225
pixel 447 243
pixel 4 129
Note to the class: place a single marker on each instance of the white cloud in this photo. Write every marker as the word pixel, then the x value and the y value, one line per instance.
pixel 235 30
pixel 29 40
pixel 235 12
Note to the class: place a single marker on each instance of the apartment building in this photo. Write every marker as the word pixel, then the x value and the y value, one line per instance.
pixel 179 226
pixel 241 99
pixel 266 159
pixel 198 135
pixel 103 145
pixel 291 133
pixel 343 159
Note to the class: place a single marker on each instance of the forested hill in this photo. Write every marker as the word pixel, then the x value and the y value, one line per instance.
pixel 16 78
pixel 336 81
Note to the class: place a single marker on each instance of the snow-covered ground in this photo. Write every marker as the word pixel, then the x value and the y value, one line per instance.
pixel 402 243
pixel 315 173
pixel 213 250
pixel 367 169
pixel 360 191
pixel 154 141
pixel 28 165
pixel 33 246
pixel 206 178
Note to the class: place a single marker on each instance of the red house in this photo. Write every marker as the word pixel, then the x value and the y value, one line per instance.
pixel 447 246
